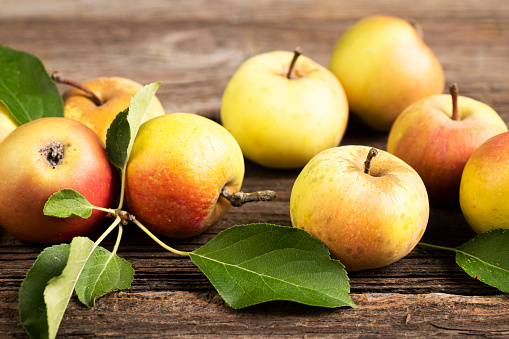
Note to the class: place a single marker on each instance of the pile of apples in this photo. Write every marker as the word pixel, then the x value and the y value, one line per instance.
pixel 281 110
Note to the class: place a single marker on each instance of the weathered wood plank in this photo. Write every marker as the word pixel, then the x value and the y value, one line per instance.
pixel 194 314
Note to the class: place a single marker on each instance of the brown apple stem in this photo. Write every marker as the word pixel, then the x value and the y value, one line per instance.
pixel 454 94
pixel 367 164
pixel 296 53
pixel 59 80
pixel 238 199
pixel 417 26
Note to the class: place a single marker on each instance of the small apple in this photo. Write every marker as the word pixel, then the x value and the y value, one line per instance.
pixel 436 136
pixel 369 212
pixel 284 109
pixel 179 164
pixel 384 65
pixel 484 188
pixel 42 157
pixel 7 122
pixel 110 96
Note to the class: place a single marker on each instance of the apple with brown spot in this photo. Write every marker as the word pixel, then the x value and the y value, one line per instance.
pixel 42 157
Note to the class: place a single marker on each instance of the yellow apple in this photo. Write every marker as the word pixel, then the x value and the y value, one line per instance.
pixel 282 121
pixel 369 212
pixel 436 136
pixel 179 164
pixel 115 94
pixel 7 122
pixel 384 65
pixel 484 188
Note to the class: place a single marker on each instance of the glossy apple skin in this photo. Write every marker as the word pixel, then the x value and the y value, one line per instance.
pixel 115 92
pixel 365 220
pixel 178 165
pixel 280 122
pixel 438 147
pixel 384 66
pixel 29 180
pixel 7 122
pixel 484 188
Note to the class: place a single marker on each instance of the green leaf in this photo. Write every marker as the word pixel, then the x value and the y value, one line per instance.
pixel 486 257
pixel 26 88
pixel 120 136
pixel 104 272
pixel 68 203
pixel 256 263
pixel 60 288
pixel 32 308
pixel 117 139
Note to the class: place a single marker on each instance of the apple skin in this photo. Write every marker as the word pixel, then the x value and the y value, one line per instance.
pixel 7 122
pixel 365 220
pixel 384 65
pixel 280 122
pixel 427 138
pixel 31 180
pixel 484 188
pixel 116 94
pixel 178 165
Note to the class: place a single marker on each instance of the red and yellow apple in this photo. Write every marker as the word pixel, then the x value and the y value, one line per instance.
pixel 115 94
pixel 42 157
pixel 178 166
pixel 484 188
pixel 7 122
pixel 282 111
pixel 369 212
pixel 384 65
pixel 436 135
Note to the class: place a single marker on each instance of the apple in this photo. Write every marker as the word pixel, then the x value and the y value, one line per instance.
pixel 384 65
pixel 107 97
pixel 42 157
pixel 484 187
pixel 368 211
pixel 7 122
pixel 436 135
pixel 284 109
pixel 179 164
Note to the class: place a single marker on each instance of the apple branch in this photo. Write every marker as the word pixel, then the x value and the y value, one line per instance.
pixel 367 164
pixel 454 94
pixel 238 199
pixel 59 80
pixel 296 53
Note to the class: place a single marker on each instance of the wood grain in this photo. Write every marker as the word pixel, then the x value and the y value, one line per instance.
pixel 194 47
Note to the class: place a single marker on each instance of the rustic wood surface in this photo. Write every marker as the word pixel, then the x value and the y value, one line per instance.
pixel 194 47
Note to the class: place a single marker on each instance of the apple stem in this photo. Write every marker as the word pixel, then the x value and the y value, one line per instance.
pixel 367 164
pixel 59 80
pixel 238 199
pixel 296 53
pixel 417 26
pixel 454 94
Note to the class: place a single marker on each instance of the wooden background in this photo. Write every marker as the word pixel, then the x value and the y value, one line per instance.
pixel 194 47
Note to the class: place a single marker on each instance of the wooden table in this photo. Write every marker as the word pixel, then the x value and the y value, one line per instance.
pixel 194 47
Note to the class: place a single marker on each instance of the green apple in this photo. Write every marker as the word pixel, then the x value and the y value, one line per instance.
pixel 112 96
pixel 179 164
pixel 42 157
pixel 283 110
pixel 7 122
pixel 436 136
pixel 384 65
pixel 484 188
pixel 369 212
